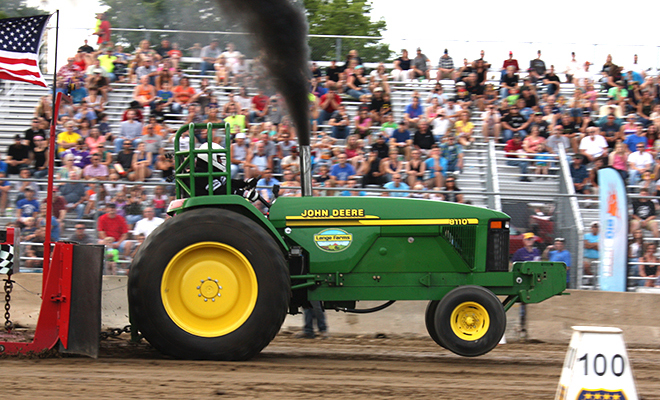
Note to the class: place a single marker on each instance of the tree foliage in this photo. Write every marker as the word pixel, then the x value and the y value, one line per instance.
pixel 190 15
pixel 17 8
pixel 344 17
pixel 325 17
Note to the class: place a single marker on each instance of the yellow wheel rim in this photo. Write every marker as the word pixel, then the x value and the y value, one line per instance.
pixel 209 289
pixel 470 321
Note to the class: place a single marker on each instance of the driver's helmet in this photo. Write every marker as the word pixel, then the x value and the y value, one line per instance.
pixel 219 159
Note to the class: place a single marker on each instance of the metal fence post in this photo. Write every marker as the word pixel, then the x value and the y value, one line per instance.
pixel 338 49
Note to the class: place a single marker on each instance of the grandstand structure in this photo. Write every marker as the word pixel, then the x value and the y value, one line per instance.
pixel 486 180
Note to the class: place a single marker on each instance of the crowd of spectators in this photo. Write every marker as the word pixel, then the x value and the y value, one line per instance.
pixel 359 141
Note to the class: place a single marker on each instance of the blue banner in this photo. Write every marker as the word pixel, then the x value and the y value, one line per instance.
pixel 613 243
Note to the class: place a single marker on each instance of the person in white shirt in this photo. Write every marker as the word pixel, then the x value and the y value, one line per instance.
pixel 638 163
pixel 231 56
pixel 147 224
pixel 593 145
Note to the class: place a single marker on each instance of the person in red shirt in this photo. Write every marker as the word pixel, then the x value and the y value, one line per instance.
pixel 516 155
pixel 259 103
pixel 113 225
pixel 328 104
pixel 103 31
pixel 510 61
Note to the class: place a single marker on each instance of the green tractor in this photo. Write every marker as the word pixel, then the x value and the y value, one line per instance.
pixel 217 279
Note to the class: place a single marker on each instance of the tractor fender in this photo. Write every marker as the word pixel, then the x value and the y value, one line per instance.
pixel 234 203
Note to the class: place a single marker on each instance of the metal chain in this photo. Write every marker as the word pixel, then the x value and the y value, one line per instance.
pixel 9 285
pixel 115 332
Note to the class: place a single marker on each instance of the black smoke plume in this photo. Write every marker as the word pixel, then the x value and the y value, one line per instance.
pixel 280 32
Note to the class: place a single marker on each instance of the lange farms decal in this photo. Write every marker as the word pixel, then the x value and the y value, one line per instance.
pixel 333 240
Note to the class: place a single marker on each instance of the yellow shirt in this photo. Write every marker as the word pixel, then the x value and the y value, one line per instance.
pixel 463 129
pixel 66 137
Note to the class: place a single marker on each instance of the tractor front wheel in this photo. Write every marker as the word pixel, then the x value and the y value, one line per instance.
pixel 209 284
pixel 470 321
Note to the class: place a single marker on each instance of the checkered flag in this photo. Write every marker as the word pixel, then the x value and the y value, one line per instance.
pixel 6 258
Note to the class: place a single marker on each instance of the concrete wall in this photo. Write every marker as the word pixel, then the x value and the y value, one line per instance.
pixel 550 321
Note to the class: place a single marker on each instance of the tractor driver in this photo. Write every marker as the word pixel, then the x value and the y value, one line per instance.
pixel 219 161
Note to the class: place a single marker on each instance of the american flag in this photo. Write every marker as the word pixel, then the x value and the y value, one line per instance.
pixel 19 46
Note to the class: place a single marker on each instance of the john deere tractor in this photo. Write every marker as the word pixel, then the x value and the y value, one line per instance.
pixel 217 279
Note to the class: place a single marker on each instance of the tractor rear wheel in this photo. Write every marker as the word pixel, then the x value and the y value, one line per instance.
pixel 429 318
pixel 470 320
pixel 209 284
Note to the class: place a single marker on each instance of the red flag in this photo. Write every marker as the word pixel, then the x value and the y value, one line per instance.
pixel 20 39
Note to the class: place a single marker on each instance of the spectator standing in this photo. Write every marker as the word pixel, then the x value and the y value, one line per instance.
pixel 643 215
pixel 103 30
pixel 558 253
pixel 591 243
pixel 315 312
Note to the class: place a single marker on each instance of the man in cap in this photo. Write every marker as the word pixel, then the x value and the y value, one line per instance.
pixel 528 252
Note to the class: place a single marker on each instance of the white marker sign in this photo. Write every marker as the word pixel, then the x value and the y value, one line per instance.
pixel 596 367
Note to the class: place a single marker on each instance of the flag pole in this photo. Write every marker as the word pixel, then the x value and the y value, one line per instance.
pixel 57 33
pixel 51 160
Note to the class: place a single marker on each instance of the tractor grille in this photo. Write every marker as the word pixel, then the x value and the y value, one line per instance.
pixel 463 239
pixel 497 256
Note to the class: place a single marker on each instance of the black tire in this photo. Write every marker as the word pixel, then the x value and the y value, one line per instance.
pixel 429 318
pixel 481 332
pixel 218 230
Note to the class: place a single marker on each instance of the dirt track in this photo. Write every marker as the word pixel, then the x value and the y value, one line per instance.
pixel 337 368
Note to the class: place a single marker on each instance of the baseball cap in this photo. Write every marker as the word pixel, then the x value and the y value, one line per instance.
pixel 240 135
pixel 378 89
pixel 460 84
pixel 595 223
pixel 560 239
pixel 516 135
pixel 529 235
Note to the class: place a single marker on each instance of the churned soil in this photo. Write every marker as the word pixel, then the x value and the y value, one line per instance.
pixel 290 368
